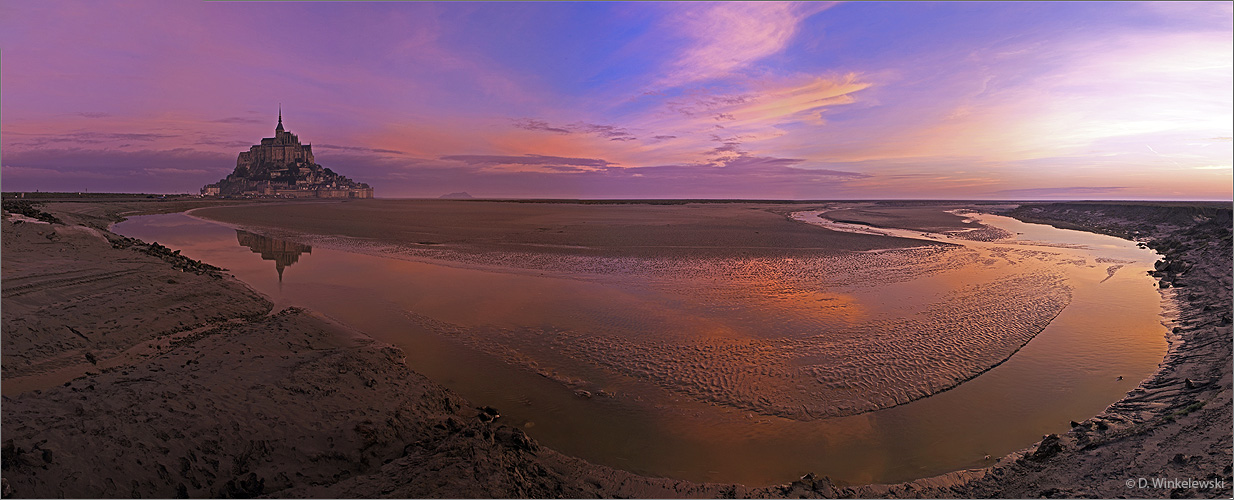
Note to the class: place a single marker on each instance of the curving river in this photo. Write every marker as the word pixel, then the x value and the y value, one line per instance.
pixel 632 371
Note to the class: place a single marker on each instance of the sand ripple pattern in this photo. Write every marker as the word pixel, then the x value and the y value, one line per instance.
pixel 800 368
pixel 846 371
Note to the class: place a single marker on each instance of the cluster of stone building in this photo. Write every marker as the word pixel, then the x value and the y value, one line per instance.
pixel 281 167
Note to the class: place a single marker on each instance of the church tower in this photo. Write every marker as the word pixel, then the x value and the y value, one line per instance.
pixel 282 167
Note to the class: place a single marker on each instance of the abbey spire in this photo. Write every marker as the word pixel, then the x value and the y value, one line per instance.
pixel 282 167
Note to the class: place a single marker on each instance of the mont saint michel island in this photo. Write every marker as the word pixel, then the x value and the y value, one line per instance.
pixel 281 167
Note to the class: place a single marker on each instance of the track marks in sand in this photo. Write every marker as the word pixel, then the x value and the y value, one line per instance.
pixel 74 301
pixel 44 281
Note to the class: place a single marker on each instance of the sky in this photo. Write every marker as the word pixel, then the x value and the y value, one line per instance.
pixel 861 100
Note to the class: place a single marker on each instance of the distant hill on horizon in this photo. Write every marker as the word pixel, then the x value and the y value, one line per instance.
pixel 461 195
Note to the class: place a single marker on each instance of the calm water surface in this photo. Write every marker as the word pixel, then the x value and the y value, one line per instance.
pixel 1070 371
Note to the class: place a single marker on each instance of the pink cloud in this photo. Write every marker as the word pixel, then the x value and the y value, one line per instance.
pixel 726 37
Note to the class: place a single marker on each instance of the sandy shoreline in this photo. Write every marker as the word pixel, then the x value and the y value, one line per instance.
pixel 439 439
pixel 978 326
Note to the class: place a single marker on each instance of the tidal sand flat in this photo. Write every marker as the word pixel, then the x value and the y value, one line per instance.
pixel 207 392
pixel 778 321
pixel 594 333
pixel 1178 412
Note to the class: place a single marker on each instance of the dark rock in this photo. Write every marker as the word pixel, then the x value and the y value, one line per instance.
pixel 8 455
pixel 29 460
pixel 811 485
pixel 515 439
pixel 1050 445
pixel 488 414
pixel 247 487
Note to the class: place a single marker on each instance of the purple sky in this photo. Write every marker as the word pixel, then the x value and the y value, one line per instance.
pixel 992 100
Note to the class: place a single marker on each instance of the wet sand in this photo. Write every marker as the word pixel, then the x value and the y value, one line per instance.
pixel 814 350
pixel 618 230
pixel 526 469
pixel 200 392
pixel 501 338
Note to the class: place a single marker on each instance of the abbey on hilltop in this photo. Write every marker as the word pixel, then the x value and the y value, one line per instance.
pixel 281 167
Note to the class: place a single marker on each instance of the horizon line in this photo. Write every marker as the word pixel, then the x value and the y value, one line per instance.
pixel 684 199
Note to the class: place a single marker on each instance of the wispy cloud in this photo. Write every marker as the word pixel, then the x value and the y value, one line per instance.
pixel 557 163
pixel 38 140
pixel 610 132
pixel 723 38
pixel 778 104
pixel 240 120
pixel 547 175
pixel 540 125
pixel 333 147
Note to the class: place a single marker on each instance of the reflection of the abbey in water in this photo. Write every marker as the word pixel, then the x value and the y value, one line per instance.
pixel 284 253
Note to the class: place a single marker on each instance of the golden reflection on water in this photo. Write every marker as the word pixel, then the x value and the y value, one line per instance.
pixel 529 343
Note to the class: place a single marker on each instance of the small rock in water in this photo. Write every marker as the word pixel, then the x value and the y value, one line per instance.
pixel 488 414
